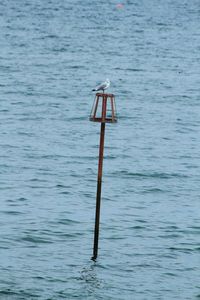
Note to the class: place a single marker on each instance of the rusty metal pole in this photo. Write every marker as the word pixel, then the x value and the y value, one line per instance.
pixel 99 181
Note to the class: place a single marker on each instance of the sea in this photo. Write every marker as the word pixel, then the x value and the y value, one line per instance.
pixel 52 54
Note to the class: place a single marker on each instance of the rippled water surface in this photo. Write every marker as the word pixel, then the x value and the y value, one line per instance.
pixel 52 54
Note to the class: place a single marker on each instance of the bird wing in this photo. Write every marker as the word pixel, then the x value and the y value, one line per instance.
pixel 102 86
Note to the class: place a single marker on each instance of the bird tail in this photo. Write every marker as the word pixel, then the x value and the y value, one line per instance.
pixel 93 90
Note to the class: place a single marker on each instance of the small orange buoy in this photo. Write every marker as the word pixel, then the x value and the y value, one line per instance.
pixel 119 5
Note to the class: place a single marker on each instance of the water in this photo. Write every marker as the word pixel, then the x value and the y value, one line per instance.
pixel 52 54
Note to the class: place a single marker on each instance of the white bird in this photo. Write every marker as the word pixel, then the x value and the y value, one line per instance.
pixel 103 86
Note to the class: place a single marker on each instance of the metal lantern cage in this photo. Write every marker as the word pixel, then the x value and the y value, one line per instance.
pixel 104 109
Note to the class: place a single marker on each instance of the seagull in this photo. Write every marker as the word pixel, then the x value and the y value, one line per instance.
pixel 103 86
